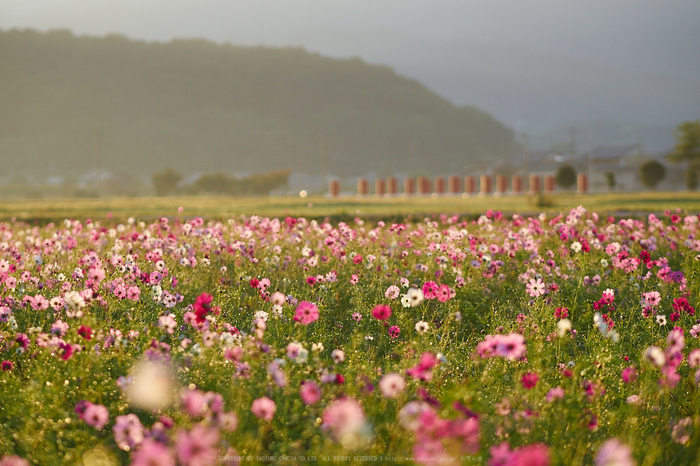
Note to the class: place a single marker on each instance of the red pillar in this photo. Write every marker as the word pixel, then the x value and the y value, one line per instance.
pixel 453 184
pixel 549 183
pixel 582 183
pixel 535 184
pixel 362 187
pixel 334 188
pixel 469 184
pixel 439 185
pixel 500 184
pixel 517 183
pixel 485 185
pixel 423 185
pixel 409 186
pixel 379 187
pixel 392 186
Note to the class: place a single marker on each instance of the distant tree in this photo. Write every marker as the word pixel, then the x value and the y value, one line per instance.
pixel 214 183
pixel 687 143
pixel 165 182
pixel 651 173
pixel 691 177
pixel 565 176
pixel 610 179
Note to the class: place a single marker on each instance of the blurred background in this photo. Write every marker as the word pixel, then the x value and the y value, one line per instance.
pixel 141 97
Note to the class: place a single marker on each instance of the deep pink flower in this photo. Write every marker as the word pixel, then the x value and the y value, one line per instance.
pixel 306 313
pixel 202 307
pixel 430 290
pixel 423 370
pixel 529 380
pixel 394 331
pixel 85 332
pixel 7 365
pixel 381 312
pixel 629 374
pixel 531 455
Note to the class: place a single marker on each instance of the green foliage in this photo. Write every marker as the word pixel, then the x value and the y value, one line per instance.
pixel 202 107
pixel 565 176
pixel 610 180
pixel 651 173
pixel 254 185
pixel 687 142
pixel 165 182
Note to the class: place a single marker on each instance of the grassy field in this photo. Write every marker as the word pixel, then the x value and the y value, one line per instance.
pixel 342 208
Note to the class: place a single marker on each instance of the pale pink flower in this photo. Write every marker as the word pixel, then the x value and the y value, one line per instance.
pixel 310 392
pixel 535 288
pixel 392 384
pixel 153 453
pixel 96 416
pixel 392 292
pixel 264 408
pixel 197 447
pixel 614 453
pixel 343 417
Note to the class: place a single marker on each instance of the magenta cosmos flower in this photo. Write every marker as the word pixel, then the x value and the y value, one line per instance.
pixel 381 312
pixel 306 313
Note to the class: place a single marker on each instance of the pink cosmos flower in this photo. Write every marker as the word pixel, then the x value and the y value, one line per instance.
pixel 96 416
pixel 197 447
pixel 13 460
pixel 202 307
pixel 392 384
pixel 444 293
pixel 423 370
pixel 535 288
pixel 629 374
pixel 264 408
pixel 343 417
pixel 392 292
pixel 430 290
pixel 531 455
pixel 381 312
pixel 555 393
pixel 529 380
pixel 152 453
pixel 306 313
pixel 310 392
pixel 128 431
pixel 133 293
pixel 614 453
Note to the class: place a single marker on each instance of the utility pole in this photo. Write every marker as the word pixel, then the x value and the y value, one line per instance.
pixel 98 161
pixel 323 163
pixel 526 168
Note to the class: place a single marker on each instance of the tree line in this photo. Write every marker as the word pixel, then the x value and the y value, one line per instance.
pixel 167 182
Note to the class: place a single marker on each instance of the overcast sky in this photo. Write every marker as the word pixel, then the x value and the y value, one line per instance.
pixel 644 34
pixel 658 38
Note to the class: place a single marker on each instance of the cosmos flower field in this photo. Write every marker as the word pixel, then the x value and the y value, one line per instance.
pixel 500 340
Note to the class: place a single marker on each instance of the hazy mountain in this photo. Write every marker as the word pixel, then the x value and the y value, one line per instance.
pixel 542 93
pixel 69 104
